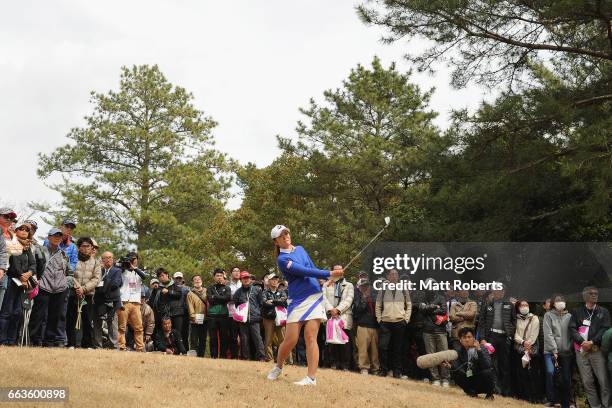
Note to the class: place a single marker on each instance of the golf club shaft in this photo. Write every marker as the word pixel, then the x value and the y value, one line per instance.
pixel 367 245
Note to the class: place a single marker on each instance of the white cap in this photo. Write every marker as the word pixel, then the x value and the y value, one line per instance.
pixel 277 230
pixel 177 275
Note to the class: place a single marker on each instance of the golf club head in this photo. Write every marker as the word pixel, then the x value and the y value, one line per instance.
pixel 387 221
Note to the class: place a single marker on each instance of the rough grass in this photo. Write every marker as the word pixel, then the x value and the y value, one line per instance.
pixel 103 378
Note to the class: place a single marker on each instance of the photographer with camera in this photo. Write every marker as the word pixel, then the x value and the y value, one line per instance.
pixel 129 313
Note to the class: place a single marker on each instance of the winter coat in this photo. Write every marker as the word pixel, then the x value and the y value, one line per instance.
pixel 393 306
pixel 87 275
pixel 557 338
pixel 340 295
pixel 218 297
pixel 469 308
pixel 253 295
pixel 271 300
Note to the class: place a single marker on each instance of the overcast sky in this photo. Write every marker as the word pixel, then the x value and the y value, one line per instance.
pixel 249 64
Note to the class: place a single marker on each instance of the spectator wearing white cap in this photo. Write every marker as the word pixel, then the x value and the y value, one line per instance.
pixel 153 284
pixel 305 302
pixel 234 332
pixel 166 301
pixel 273 297
pixel 179 281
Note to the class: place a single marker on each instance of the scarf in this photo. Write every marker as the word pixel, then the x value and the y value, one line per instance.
pixel 83 258
pixel 199 293
pixel 25 243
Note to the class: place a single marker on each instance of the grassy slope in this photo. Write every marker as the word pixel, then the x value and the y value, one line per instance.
pixel 113 379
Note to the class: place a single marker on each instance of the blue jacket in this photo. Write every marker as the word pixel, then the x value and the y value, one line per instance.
pixel 301 274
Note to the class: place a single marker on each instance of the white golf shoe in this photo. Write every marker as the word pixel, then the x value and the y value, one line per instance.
pixel 274 373
pixel 306 381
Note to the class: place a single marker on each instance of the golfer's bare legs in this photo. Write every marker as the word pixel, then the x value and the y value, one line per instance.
pixel 312 348
pixel 292 333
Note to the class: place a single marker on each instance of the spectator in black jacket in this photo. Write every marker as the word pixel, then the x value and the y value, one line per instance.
pixel 434 333
pixel 250 330
pixel 497 325
pixel 587 327
pixel 472 371
pixel 219 295
pixel 414 338
pixel 273 298
pixel 168 340
pixel 107 300
pixel 166 301
pixel 36 248
pixel 364 318
pixel 21 268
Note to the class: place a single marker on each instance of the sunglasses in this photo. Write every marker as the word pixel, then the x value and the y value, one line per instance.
pixel 23 229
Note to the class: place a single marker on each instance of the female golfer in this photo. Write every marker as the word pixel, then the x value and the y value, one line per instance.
pixel 305 302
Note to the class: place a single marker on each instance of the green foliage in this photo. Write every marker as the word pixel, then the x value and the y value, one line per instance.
pixel 143 171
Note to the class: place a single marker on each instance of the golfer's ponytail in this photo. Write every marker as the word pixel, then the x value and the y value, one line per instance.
pixel 276 251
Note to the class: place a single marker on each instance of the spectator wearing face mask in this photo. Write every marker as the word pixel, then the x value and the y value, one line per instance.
pixel 526 356
pixel 587 327
pixel 558 353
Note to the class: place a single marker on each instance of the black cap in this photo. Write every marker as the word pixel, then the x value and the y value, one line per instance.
pixel 69 221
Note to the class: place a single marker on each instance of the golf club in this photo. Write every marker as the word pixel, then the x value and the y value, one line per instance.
pixel 387 221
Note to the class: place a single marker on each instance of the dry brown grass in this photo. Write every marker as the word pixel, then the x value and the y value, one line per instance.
pixel 98 378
